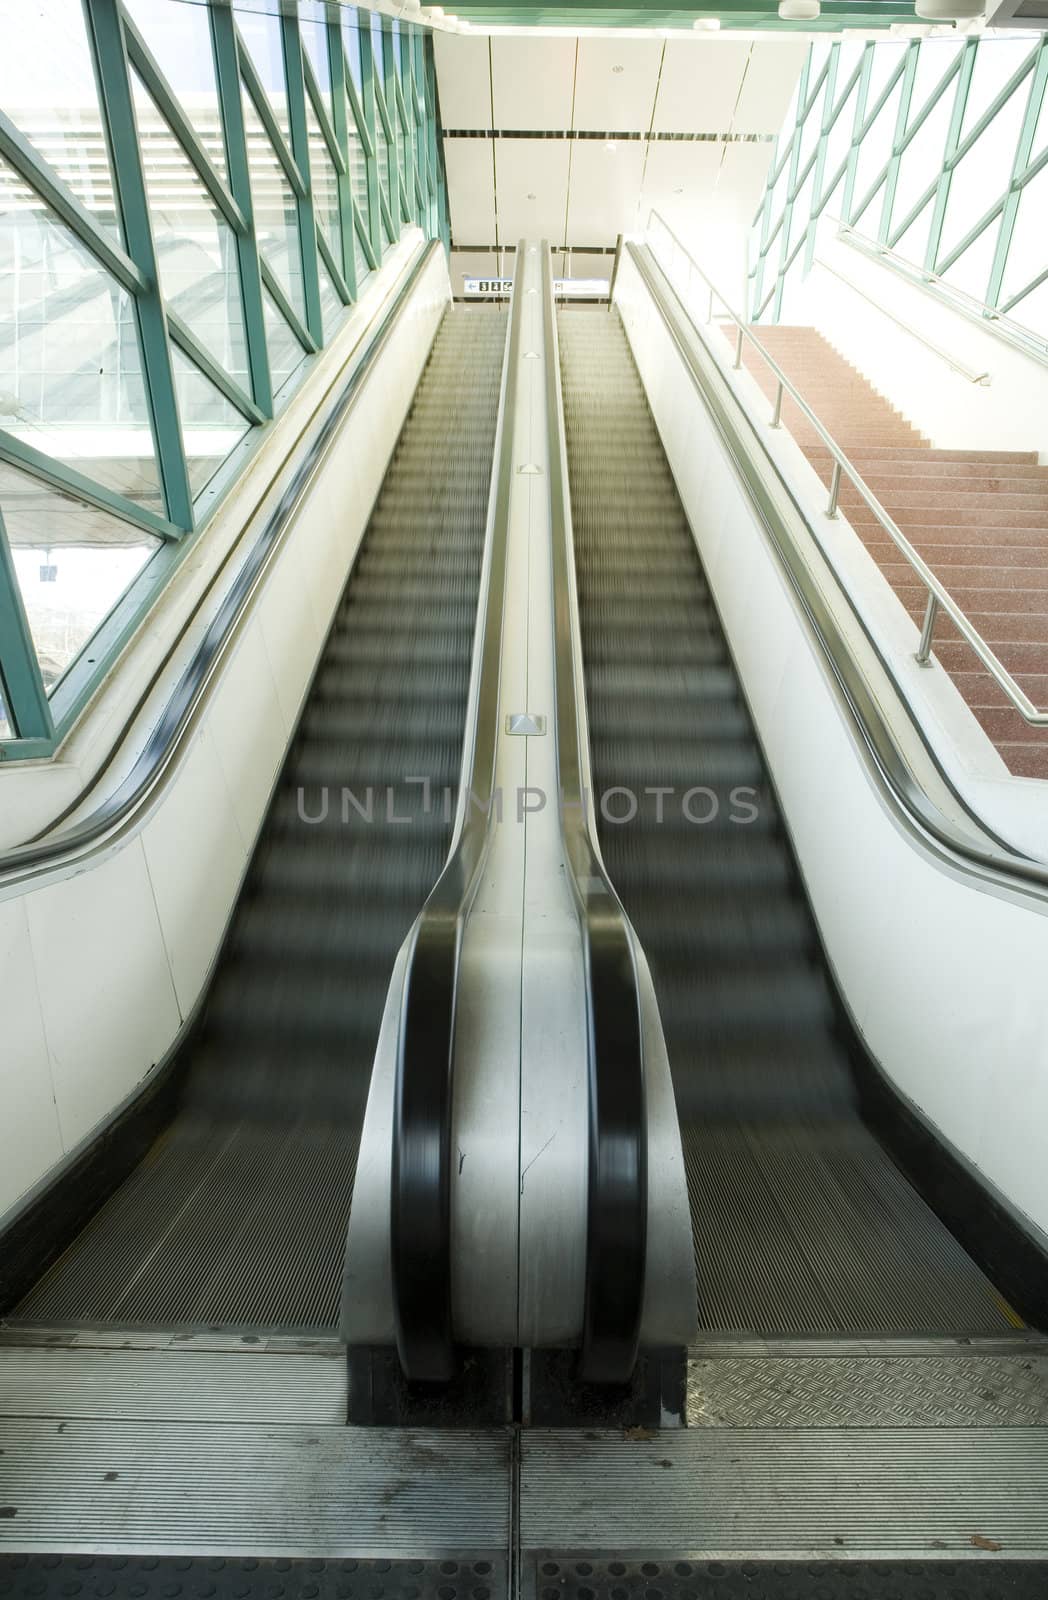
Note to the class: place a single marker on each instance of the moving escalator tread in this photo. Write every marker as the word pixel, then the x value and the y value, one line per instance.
pixel 802 1223
pixel 237 1215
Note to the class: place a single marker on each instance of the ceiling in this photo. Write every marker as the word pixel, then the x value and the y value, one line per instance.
pixel 747 14
pixel 575 139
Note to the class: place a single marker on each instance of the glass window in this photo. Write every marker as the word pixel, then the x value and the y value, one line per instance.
pixel 73 564
pixel 331 302
pixel 259 29
pixel 276 215
pixel 211 425
pixel 70 368
pixel 801 214
pixel 313 31
pixel 887 56
pixel 48 89
pixel 971 272
pixel 839 138
pixel 1028 251
pixel 982 176
pixel 179 36
pixel 286 355
pixel 1032 311
pixel 934 59
pixel 196 249
pixel 383 156
pixel 351 44
pixel 995 62
pixel 914 242
pixel 6 725
pixel 874 153
pixel 921 161
pixel 324 181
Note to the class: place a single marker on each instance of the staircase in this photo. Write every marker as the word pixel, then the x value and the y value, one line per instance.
pixel 979 518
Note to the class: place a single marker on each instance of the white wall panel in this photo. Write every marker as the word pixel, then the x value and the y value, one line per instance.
pixel 30 1140
pixel 699 86
pixel 617 100
pixel 533 82
pixel 679 176
pixel 532 167
pixel 471 190
pixel 106 991
pixel 742 178
pixel 605 184
pixel 463 80
pixel 773 69
pixel 196 857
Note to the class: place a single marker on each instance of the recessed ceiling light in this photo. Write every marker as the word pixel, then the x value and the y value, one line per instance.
pixel 799 10
pixel 610 145
pixel 678 191
pixel 531 197
pixel 616 69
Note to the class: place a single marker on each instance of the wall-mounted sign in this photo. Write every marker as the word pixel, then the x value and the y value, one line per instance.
pixel 563 288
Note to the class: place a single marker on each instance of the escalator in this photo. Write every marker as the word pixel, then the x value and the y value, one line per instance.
pixel 803 1225
pixel 236 1217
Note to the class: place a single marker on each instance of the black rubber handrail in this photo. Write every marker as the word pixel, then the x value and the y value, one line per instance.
pixel 420 1218
pixel 617 1185
pixel 156 763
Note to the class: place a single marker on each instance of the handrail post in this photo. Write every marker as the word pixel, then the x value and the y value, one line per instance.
pixel 776 420
pixel 738 348
pixel 835 490
pixel 924 649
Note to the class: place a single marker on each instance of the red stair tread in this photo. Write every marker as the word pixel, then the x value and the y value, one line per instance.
pixel 978 518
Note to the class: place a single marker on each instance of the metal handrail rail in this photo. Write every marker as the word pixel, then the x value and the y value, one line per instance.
pixel 420 1194
pixel 978 311
pixel 155 766
pixel 617 1183
pixel 983 379
pixel 939 597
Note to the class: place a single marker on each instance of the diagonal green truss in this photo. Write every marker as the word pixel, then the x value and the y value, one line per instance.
pixel 402 93
pixel 778 251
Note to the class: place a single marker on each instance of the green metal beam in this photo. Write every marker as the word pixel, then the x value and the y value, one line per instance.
pixel 334 270
pixel 118 112
pixel 320 111
pixel 340 126
pixel 42 178
pixel 1023 152
pixel 260 100
pixel 953 139
pixel 146 66
pixel 231 105
pixel 368 106
pixel 307 222
pixel 26 698
pixel 187 341
pixel 387 107
pixel 68 480
pixel 275 289
pixel 902 119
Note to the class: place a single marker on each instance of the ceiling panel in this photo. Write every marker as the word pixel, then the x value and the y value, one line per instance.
pixel 476 264
pixel 471 190
pixel 679 177
pixel 463 80
pixel 605 183
pixel 583 264
pixel 773 70
pixel 532 182
pixel 615 84
pixel 699 85
pixel 742 179
pixel 533 81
